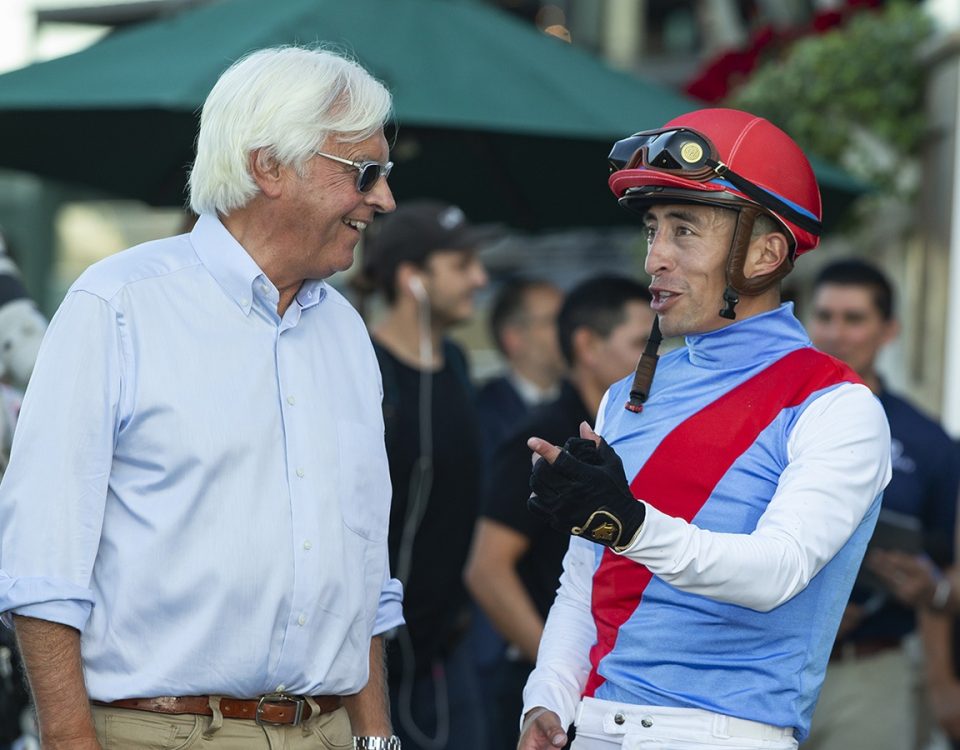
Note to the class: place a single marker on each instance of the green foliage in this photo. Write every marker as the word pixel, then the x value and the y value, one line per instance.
pixel 851 92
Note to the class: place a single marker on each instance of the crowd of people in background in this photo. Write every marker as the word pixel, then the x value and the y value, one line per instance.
pixel 479 570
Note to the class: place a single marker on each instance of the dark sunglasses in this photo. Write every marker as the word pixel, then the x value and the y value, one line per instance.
pixel 368 171
pixel 691 155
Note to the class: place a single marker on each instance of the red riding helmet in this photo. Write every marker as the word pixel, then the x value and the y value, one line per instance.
pixel 721 157
pixel 726 158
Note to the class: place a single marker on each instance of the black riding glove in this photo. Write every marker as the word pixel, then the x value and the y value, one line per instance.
pixel 585 493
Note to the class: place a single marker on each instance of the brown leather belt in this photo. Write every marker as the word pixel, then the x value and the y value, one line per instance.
pixel 852 650
pixel 274 708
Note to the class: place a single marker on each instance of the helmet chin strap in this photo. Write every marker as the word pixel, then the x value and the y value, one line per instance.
pixel 739 285
pixel 730 300
pixel 646 367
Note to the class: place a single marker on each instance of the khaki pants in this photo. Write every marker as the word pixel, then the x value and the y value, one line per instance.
pixel 126 729
pixel 866 702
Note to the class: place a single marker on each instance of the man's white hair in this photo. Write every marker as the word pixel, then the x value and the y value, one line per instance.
pixel 287 100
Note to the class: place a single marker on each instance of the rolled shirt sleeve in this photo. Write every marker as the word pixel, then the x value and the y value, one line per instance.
pixel 390 607
pixel 54 491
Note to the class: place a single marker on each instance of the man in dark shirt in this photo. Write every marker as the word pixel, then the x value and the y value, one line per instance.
pixel 523 323
pixel 868 695
pixel 516 558
pixel 423 261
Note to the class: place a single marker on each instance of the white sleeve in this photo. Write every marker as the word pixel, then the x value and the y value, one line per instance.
pixel 563 660
pixel 838 463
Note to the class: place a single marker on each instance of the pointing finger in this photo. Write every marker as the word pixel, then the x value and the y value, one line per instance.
pixel 544 449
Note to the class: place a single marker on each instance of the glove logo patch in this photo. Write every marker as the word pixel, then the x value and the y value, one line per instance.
pixel 602 526
pixel 604 532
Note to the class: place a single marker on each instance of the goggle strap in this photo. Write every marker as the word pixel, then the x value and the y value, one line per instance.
pixel 765 199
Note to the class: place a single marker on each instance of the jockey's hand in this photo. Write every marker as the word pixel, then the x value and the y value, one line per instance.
pixel 581 489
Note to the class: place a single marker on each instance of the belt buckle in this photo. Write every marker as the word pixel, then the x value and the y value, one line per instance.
pixel 280 699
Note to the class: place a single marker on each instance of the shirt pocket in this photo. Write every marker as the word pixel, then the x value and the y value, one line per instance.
pixel 364 480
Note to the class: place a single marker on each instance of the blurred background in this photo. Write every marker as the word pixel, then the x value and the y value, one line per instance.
pixel 508 107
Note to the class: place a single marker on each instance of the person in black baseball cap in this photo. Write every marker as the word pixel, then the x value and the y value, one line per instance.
pixel 424 261
pixel 411 235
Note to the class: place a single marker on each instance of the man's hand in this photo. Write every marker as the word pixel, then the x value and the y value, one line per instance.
pixel 541 730
pixel 582 490
pixel 912 579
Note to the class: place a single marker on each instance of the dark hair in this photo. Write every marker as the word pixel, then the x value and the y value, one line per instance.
pixel 598 304
pixel 855 272
pixel 509 305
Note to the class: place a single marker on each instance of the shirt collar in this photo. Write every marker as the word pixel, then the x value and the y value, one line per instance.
pixel 311 292
pixel 530 393
pixel 233 268
pixel 769 335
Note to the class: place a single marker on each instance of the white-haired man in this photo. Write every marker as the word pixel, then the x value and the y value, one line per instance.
pixel 194 519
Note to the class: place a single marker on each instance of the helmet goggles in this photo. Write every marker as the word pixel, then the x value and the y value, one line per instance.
pixel 685 153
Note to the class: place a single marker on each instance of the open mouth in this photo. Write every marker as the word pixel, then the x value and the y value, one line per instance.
pixel 662 299
pixel 356 224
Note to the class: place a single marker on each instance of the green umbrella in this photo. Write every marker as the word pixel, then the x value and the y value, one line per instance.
pixel 512 124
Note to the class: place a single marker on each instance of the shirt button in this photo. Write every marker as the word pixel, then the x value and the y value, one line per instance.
pixel 619 718
pixel 301 620
pixel 291 400
pixel 281 688
pixel 307 544
pixel 300 473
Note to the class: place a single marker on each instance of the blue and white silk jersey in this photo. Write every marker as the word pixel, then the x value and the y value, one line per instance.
pixel 200 486
pixel 762 462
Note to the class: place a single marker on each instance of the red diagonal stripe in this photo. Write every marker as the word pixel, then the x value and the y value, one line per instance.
pixel 681 473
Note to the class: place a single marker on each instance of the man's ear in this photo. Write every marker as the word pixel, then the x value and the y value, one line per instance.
pixel 408 279
pixel 584 345
pixel 892 331
pixel 266 171
pixel 511 338
pixel 766 254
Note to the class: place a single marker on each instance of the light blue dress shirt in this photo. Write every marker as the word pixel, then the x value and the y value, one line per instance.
pixel 199 485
